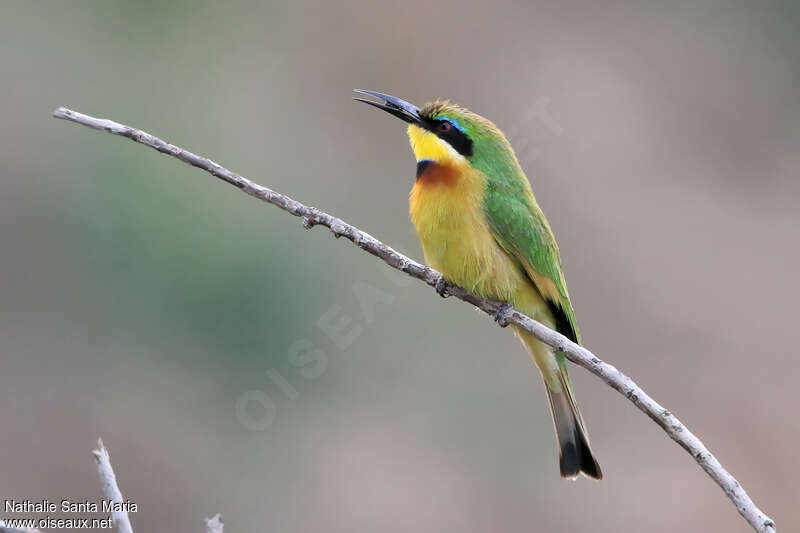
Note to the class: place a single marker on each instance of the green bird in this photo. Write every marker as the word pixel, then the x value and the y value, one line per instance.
pixel 481 227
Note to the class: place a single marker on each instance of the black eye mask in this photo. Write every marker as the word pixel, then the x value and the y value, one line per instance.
pixel 449 132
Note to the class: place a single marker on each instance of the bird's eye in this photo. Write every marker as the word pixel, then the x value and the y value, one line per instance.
pixel 444 126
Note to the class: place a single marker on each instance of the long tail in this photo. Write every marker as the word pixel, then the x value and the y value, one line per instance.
pixel 573 443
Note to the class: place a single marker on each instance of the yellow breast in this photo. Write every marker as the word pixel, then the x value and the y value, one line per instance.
pixel 446 208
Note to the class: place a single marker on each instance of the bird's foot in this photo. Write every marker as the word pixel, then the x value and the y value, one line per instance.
pixel 501 316
pixel 441 287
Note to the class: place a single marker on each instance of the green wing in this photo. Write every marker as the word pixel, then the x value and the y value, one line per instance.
pixel 519 226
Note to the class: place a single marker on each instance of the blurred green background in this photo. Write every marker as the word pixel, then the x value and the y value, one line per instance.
pixel 141 299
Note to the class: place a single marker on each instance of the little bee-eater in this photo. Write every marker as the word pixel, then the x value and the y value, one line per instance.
pixel 480 226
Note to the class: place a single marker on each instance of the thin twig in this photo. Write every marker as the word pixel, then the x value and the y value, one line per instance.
pixel 108 483
pixel 312 216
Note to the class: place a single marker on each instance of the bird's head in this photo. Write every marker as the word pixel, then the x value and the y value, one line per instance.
pixel 442 132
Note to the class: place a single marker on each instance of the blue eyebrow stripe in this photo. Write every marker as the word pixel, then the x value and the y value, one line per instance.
pixel 454 122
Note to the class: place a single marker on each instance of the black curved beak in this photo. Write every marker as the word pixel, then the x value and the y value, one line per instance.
pixel 397 107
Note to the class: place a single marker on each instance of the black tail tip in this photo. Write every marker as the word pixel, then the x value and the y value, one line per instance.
pixel 577 460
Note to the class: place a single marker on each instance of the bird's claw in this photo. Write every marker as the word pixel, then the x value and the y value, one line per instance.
pixel 441 287
pixel 501 316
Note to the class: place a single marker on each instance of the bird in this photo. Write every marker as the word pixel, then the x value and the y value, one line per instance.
pixel 481 227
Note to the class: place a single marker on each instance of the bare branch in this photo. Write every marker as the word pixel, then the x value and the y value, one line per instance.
pixel 108 483
pixel 312 216
pixel 214 524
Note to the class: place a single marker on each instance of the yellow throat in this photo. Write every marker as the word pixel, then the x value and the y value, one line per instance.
pixel 446 208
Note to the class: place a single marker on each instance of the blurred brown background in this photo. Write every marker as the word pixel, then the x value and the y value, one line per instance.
pixel 140 299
